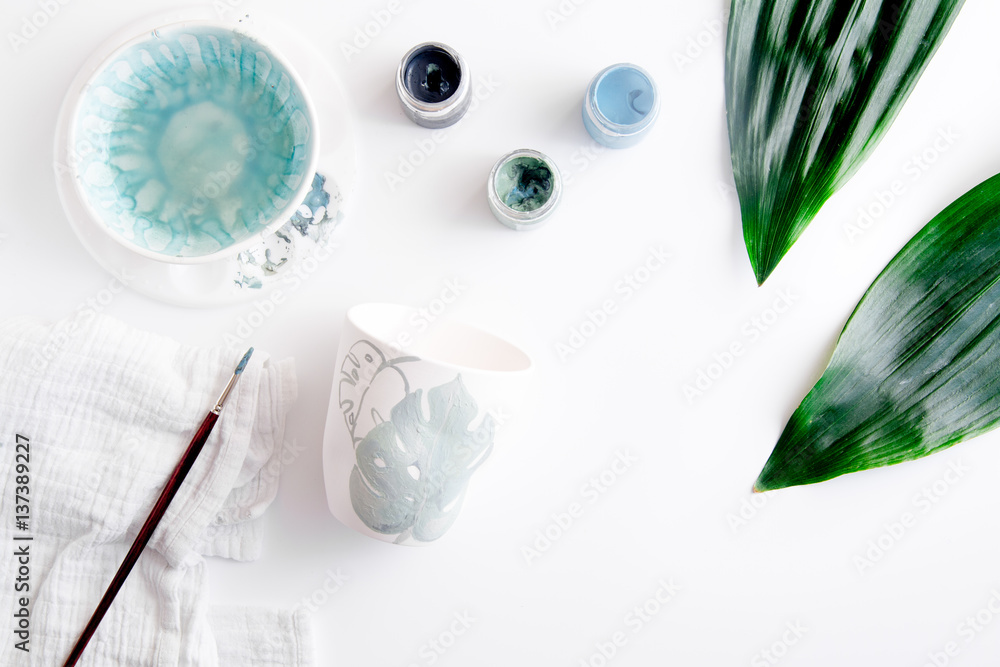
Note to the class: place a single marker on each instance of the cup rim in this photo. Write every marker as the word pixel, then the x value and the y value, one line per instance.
pixel 354 317
pixel 86 79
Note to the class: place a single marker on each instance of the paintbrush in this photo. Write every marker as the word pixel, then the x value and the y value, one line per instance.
pixel 146 532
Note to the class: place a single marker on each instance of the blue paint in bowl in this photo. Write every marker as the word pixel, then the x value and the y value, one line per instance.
pixel 621 105
pixel 193 140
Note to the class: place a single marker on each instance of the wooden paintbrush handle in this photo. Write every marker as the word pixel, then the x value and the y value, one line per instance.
pixel 145 533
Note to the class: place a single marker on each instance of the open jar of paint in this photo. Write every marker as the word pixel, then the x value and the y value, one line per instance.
pixel 621 105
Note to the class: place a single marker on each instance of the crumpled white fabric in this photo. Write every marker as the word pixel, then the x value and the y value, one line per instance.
pixel 108 411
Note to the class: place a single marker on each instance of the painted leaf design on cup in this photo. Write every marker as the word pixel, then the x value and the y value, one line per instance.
pixel 412 471
pixel 366 366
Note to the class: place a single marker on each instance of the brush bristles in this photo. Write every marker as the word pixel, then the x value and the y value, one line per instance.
pixel 243 362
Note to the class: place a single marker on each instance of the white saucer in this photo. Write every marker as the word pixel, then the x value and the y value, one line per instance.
pixel 246 275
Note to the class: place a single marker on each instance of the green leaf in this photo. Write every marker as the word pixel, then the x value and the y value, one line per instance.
pixel 917 367
pixel 811 87
pixel 411 472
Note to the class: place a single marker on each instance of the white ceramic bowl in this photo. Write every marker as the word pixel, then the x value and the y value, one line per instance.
pixel 192 141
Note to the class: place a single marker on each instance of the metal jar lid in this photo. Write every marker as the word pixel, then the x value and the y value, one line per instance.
pixel 433 85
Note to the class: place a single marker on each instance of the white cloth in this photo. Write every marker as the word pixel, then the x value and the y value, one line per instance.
pixel 108 411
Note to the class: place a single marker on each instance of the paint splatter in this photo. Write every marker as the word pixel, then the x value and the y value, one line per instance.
pixel 310 227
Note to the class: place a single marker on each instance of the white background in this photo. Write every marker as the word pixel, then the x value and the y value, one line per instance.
pixel 672 514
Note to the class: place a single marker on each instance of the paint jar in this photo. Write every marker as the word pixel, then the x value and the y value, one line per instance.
pixel 524 188
pixel 620 106
pixel 433 85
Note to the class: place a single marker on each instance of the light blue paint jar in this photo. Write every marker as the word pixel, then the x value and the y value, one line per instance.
pixel 621 105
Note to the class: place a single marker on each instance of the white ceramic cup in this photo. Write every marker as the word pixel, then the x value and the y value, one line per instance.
pixel 413 414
